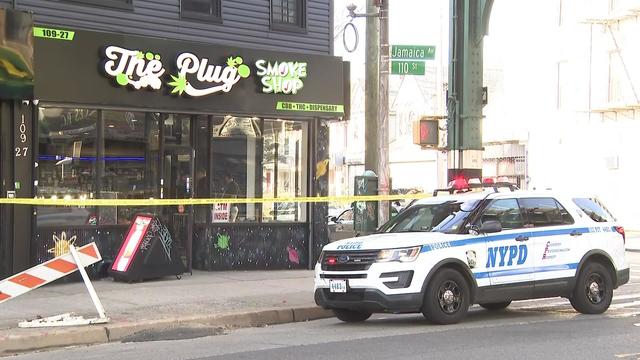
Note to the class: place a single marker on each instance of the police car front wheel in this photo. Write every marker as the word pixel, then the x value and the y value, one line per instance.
pixel 351 315
pixel 446 300
pixel 594 289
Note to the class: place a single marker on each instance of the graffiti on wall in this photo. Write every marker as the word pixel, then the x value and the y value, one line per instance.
pixel 61 244
pixel 107 238
pixel 250 246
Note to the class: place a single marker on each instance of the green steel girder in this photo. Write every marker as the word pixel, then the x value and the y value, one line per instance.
pixel 469 22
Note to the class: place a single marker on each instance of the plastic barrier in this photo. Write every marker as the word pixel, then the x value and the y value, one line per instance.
pixel 52 270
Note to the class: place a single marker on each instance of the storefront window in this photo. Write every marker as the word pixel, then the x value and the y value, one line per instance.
pixel 284 169
pixel 257 158
pixel 66 164
pixel 108 154
pixel 234 145
pixel 131 145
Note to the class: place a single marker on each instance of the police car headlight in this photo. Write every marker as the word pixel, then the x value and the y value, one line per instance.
pixel 402 255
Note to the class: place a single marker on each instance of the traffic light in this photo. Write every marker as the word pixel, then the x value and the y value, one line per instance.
pixel 426 132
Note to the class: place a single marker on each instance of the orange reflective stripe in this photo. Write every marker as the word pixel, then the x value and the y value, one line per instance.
pixel 62 266
pixel 27 280
pixel 4 296
pixel 90 251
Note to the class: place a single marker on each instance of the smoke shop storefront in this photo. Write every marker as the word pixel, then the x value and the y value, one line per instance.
pixel 124 117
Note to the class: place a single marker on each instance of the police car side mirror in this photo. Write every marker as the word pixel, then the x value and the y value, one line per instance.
pixel 491 226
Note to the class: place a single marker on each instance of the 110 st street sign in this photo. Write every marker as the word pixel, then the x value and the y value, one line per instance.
pixel 409 59
pixel 407 67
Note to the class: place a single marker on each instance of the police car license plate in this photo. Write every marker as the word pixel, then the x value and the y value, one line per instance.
pixel 338 286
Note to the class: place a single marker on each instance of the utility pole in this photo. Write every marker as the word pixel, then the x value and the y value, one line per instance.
pixel 371 86
pixel 383 120
pixel 376 131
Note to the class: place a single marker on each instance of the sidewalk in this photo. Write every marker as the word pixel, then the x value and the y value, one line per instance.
pixel 204 300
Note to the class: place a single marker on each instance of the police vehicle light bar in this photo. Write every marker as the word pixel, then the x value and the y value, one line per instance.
pixel 461 185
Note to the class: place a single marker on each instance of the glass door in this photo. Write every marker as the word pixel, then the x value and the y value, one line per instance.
pixel 177 183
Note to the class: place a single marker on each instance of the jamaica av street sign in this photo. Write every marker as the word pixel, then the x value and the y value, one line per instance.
pixel 413 52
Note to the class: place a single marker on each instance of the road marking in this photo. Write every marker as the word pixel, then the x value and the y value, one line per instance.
pixel 624 305
pixel 545 300
pixel 624 315
pixel 566 302
pixel 626 297
pixel 621 356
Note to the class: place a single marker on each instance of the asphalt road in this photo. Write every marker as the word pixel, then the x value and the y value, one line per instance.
pixel 534 329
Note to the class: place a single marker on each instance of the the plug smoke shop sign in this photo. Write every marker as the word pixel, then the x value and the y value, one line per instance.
pixel 200 76
pixel 195 76
pixel 97 69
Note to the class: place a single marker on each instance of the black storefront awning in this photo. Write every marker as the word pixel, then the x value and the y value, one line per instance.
pixel 106 69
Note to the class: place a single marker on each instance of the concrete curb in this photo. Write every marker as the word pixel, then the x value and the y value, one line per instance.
pixel 23 340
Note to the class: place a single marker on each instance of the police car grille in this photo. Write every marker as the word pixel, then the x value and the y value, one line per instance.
pixel 357 260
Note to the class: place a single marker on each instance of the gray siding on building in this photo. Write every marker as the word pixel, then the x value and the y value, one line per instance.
pixel 245 22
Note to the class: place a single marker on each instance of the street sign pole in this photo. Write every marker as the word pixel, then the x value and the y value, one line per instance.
pixel 371 86
pixel 383 128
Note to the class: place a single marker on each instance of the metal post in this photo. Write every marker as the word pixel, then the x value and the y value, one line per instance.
pixel 371 89
pixel 87 282
pixel 383 119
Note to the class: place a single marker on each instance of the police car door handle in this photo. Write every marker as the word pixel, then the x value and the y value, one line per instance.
pixel 522 238
pixel 575 233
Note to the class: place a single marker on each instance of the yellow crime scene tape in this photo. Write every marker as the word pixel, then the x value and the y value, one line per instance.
pixel 169 202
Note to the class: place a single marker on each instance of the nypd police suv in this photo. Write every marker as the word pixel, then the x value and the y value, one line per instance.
pixel 442 254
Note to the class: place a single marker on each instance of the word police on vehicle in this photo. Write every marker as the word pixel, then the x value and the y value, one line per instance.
pixel 480 246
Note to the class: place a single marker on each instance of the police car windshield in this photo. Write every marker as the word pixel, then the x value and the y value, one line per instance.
pixel 446 217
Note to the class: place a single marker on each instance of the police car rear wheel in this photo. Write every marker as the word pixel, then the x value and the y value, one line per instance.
pixel 496 306
pixel 594 289
pixel 351 315
pixel 446 298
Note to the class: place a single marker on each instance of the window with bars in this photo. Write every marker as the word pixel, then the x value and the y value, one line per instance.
pixel 288 15
pixel 118 4
pixel 205 10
